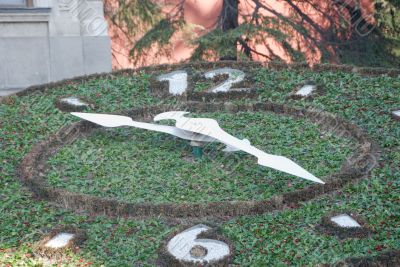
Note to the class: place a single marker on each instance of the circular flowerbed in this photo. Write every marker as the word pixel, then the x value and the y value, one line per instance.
pixel 41 144
pixel 135 165
pixel 239 177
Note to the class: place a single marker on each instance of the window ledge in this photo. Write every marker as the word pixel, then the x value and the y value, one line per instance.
pixel 24 14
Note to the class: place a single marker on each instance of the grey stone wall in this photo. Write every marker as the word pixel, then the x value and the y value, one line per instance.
pixel 54 40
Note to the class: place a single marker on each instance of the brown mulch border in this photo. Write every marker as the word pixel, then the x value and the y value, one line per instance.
pixel 33 168
pixel 385 259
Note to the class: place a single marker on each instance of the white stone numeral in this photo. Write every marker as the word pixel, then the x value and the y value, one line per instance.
pixel 396 114
pixel 73 101
pixel 181 246
pixel 177 81
pixel 306 90
pixel 344 220
pixel 60 240
pixel 235 76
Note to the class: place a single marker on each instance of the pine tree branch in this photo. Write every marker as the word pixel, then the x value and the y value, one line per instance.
pixel 248 50
pixel 306 18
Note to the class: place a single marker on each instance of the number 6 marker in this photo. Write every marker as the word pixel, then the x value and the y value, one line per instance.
pixel 183 246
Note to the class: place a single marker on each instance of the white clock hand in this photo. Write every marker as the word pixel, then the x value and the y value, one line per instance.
pixel 108 120
pixel 211 128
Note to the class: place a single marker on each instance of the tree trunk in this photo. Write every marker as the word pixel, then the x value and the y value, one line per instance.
pixel 230 20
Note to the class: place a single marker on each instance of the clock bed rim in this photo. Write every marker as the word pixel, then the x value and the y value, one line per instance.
pixel 113 207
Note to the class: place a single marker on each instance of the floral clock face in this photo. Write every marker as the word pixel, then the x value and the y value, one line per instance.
pixel 122 171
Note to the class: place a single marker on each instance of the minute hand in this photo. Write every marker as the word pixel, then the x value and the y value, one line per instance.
pixel 211 128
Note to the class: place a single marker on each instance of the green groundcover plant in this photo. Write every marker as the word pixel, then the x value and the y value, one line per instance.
pixel 282 238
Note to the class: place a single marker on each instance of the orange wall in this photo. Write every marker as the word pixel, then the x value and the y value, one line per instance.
pixel 204 13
